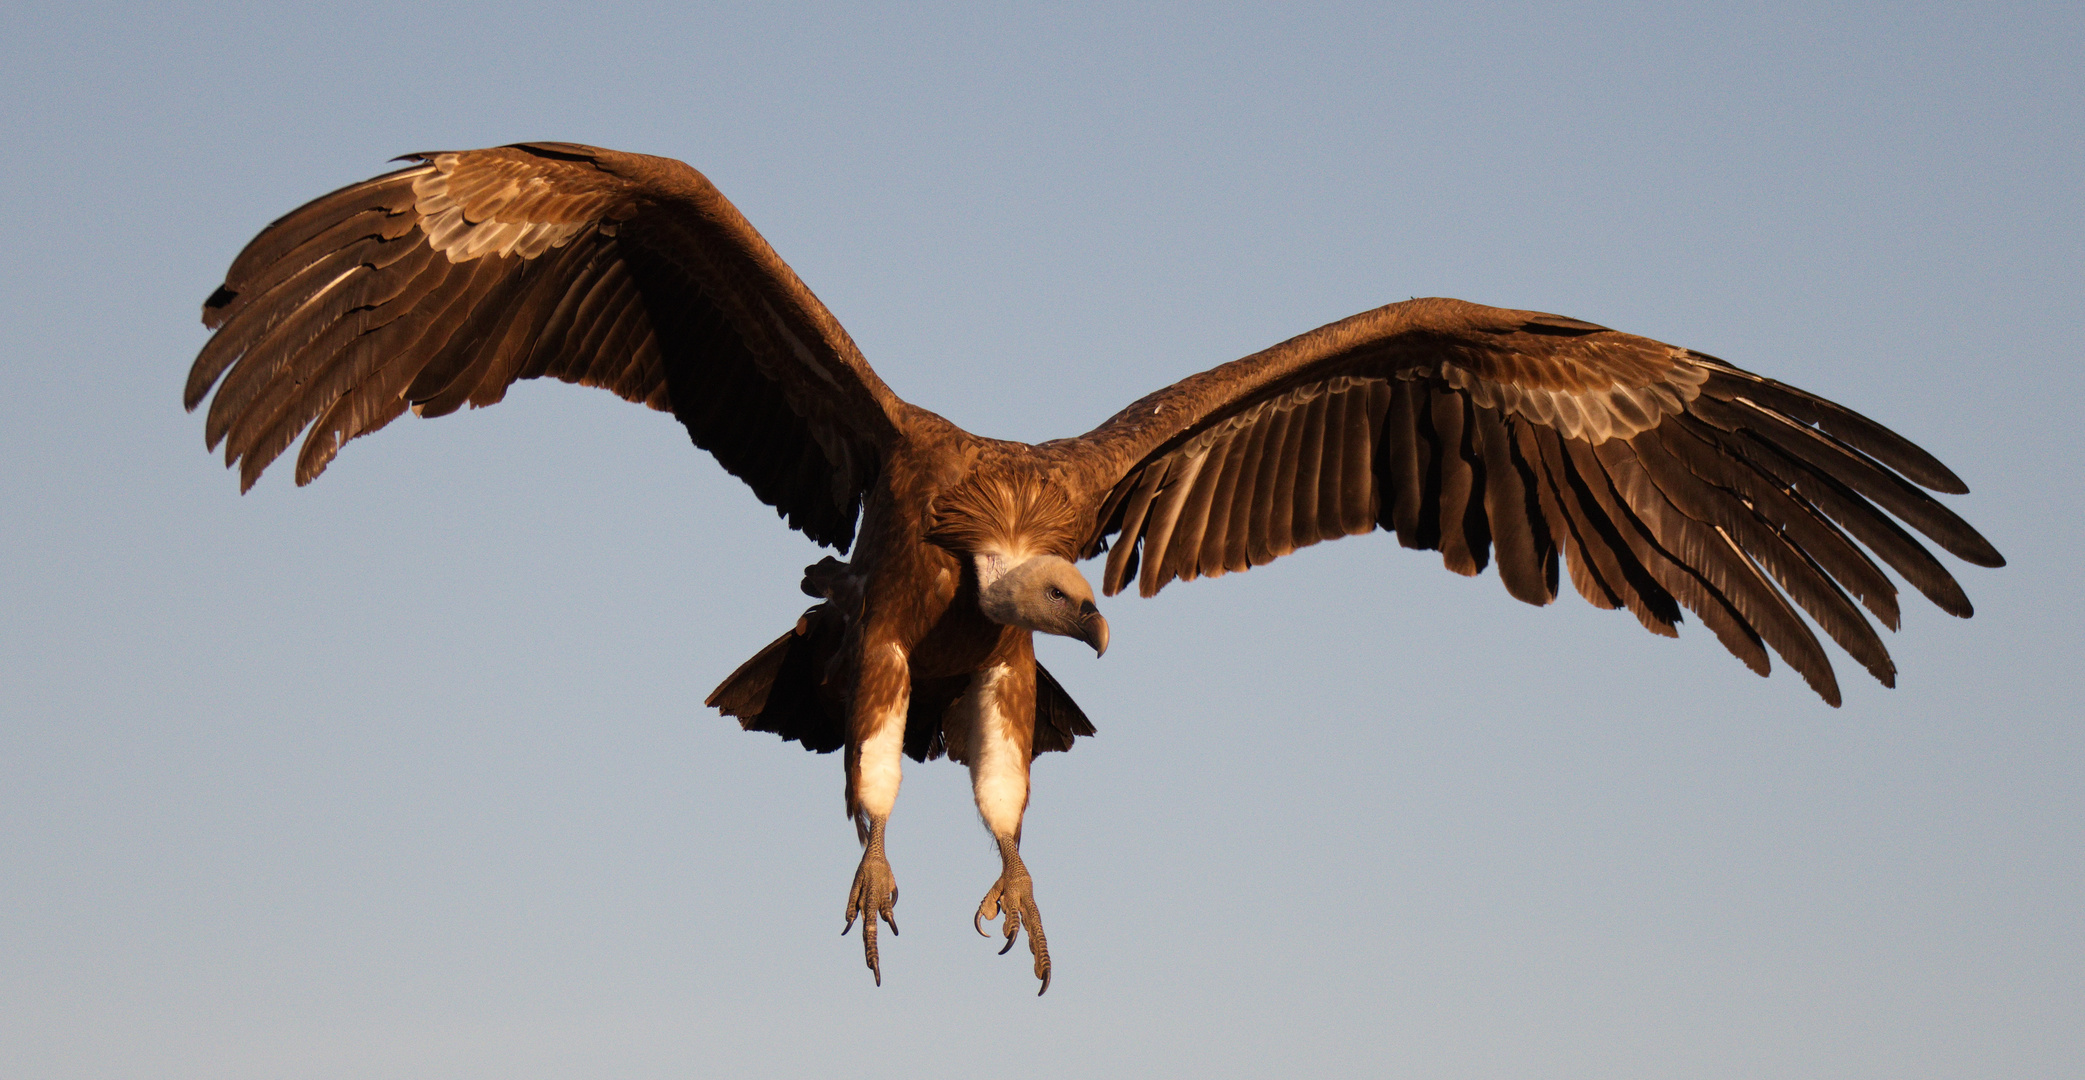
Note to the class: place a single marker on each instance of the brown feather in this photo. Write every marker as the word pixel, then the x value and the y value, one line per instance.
pixel 1456 483
pixel 1709 555
pixel 1855 470
pixel 1308 480
pixel 1561 506
pixel 1357 497
pixel 1798 577
pixel 1402 466
pixel 1161 562
pixel 1857 516
pixel 1280 480
pixel 1517 530
pixel 1246 509
pixel 1732 383
pixel 1808 531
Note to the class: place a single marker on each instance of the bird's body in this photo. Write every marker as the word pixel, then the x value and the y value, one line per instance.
pixel 1660 478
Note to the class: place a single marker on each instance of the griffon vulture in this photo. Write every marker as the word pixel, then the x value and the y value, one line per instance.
pixel 1661 477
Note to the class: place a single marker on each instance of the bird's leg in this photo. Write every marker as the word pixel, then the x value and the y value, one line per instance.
pixel 874 894
pixel 999 743
pixel 875 756
pixel 1014 894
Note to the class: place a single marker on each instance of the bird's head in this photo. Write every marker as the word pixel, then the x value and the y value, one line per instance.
pixel 1044 593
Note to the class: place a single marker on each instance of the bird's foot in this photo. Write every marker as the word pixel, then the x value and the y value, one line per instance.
pixel 1014 894
pixel 874 894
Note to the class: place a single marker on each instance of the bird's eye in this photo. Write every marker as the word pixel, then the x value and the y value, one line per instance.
pixel 1055 594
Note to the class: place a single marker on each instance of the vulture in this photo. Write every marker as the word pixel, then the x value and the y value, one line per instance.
pixel 1661 478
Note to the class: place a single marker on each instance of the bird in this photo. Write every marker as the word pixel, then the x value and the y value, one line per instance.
pixel 1659 480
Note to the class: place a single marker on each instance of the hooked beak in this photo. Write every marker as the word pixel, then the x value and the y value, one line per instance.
pixel 1093 630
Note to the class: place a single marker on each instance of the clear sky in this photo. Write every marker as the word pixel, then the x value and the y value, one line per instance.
pixel 406 774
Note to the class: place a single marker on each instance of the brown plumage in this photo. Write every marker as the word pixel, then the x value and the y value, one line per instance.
pixel 1653 478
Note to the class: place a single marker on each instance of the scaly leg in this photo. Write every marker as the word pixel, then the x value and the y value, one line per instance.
pixel 1014 892
pixel 874 893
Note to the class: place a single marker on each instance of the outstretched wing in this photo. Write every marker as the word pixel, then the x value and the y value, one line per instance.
pixel 439 285
pixel 1662 477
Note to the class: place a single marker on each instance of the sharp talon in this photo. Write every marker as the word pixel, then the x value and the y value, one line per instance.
pixel 872 898
pixel 1013 898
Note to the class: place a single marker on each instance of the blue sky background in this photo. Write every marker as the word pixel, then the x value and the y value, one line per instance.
pixel 406 774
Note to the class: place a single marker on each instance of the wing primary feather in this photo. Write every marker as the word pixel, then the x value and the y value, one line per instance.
pixel 1310 463
pixel 1728 382
pixel 1162 555
pixel 371 227
pixel 1210 557
pixel 391 332
pixel 434 391
pixel 368 406
pixel 1401 465
pixel 1807 528
pixel 1513 523
pixel 1254 463
pixel 272 424
pixel 1332 473
pixel 289 390
pixel 1898 548
pixel 1675 581
pixel 1356 473
pixel 239 318
pixel 445 384
pixel 1627 558
pixel 1799 578
pixel 1457 481
pixel 1274 490
pixel 1708 554
pixel 1558 504
pixel 260 337
pixel 1128 536
pixel 1857 471
pixel 381 397
pixel 392 192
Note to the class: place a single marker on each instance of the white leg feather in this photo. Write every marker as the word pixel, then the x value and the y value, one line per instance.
pixel 998 763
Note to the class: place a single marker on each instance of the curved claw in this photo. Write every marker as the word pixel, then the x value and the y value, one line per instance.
pixel 1013 895
pixel 874 895
pixel 988 908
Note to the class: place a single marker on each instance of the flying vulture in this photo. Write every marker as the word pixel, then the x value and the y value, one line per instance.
pixel 1662 478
